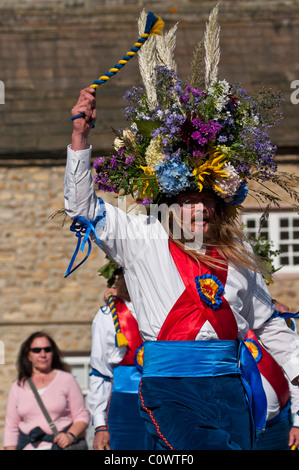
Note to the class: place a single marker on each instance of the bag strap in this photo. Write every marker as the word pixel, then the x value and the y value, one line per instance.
pixel 42 406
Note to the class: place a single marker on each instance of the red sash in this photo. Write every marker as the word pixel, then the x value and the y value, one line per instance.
pixel 269 369
pixel 190 312
pixel 129 327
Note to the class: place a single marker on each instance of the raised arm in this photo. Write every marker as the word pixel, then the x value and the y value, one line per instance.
pixel 121 235
pixel 86 105
pixel 80 198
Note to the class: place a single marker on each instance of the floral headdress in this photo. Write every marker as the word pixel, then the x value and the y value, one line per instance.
pixel 207 134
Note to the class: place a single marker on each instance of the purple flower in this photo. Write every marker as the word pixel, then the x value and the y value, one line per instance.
pixel 144 202
pixel 197 134
pixel 98 161
pixel 113 161
pixel 184 98
pixel 130 159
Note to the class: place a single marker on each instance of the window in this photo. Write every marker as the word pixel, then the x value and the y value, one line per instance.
pixel 282 229
pixel 80 370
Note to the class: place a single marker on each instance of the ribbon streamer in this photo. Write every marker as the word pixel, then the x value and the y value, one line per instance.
pixel 154 25
pixel 81 227
pixel 120 339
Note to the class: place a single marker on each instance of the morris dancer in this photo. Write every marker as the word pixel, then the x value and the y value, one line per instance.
pixel 194 304
pixel 115 376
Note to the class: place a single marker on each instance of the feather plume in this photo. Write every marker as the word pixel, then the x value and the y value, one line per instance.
pixel 165 46
pixel 158 50
pixel 212 48
pixel 197 79
pixel 147 60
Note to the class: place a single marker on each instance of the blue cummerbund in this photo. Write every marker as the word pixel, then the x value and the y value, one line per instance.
pixel 190 358
pixel 126 379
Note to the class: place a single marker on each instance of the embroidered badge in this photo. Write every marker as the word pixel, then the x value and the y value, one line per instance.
pixel 138 358
pixel 209 289
pixel 254 348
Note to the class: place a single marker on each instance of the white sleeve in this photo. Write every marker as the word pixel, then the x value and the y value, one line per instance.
pixel 122 236
pixel 104 356
pixel 97 400
pixel 282 343
pixel 294 392
pixel 79 196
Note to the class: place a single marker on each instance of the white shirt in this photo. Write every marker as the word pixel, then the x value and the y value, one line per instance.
pixel 140 245
pixel 104 357
pixel 273 406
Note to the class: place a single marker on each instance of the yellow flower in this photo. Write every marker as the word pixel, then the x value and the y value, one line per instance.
pixel 145 191
pixel 146 170
pixel 207 172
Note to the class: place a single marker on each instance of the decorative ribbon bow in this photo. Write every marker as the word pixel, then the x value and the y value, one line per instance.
pixel 81 227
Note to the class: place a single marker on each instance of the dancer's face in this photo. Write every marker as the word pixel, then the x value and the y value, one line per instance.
pixel 193 203
pixel 200 208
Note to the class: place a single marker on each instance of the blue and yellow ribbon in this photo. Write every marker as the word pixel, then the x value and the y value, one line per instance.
pixel 120 339
pixel 154 25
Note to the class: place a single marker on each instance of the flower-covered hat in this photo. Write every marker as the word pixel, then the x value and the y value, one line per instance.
pixel 206 134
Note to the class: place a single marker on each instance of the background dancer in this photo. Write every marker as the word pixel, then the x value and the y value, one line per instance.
pixel 116 373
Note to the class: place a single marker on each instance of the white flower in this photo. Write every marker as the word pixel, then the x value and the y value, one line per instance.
pixel 223 98
pixel 127 135
pixel 153 154
pixel 229 185
pixel 255 120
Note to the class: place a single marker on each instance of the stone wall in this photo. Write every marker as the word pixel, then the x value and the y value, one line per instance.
pixel 34 254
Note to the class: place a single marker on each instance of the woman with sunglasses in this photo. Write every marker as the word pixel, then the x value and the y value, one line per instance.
pixel 26 427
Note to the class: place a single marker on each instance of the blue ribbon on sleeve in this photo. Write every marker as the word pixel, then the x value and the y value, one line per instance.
pixel 285 315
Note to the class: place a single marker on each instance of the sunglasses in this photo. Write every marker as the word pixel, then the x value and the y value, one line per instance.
pixel 47 349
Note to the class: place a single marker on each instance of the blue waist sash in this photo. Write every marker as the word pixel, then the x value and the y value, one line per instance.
pixel 190 358
pixel 126 379
pixel 209 359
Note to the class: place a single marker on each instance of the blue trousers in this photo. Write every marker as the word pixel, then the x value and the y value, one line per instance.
pixel 126 427
pixel 275 437
pixel 197 413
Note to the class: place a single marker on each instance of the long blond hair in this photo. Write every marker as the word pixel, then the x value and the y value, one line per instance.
pixel 232 243
pixel 121 287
